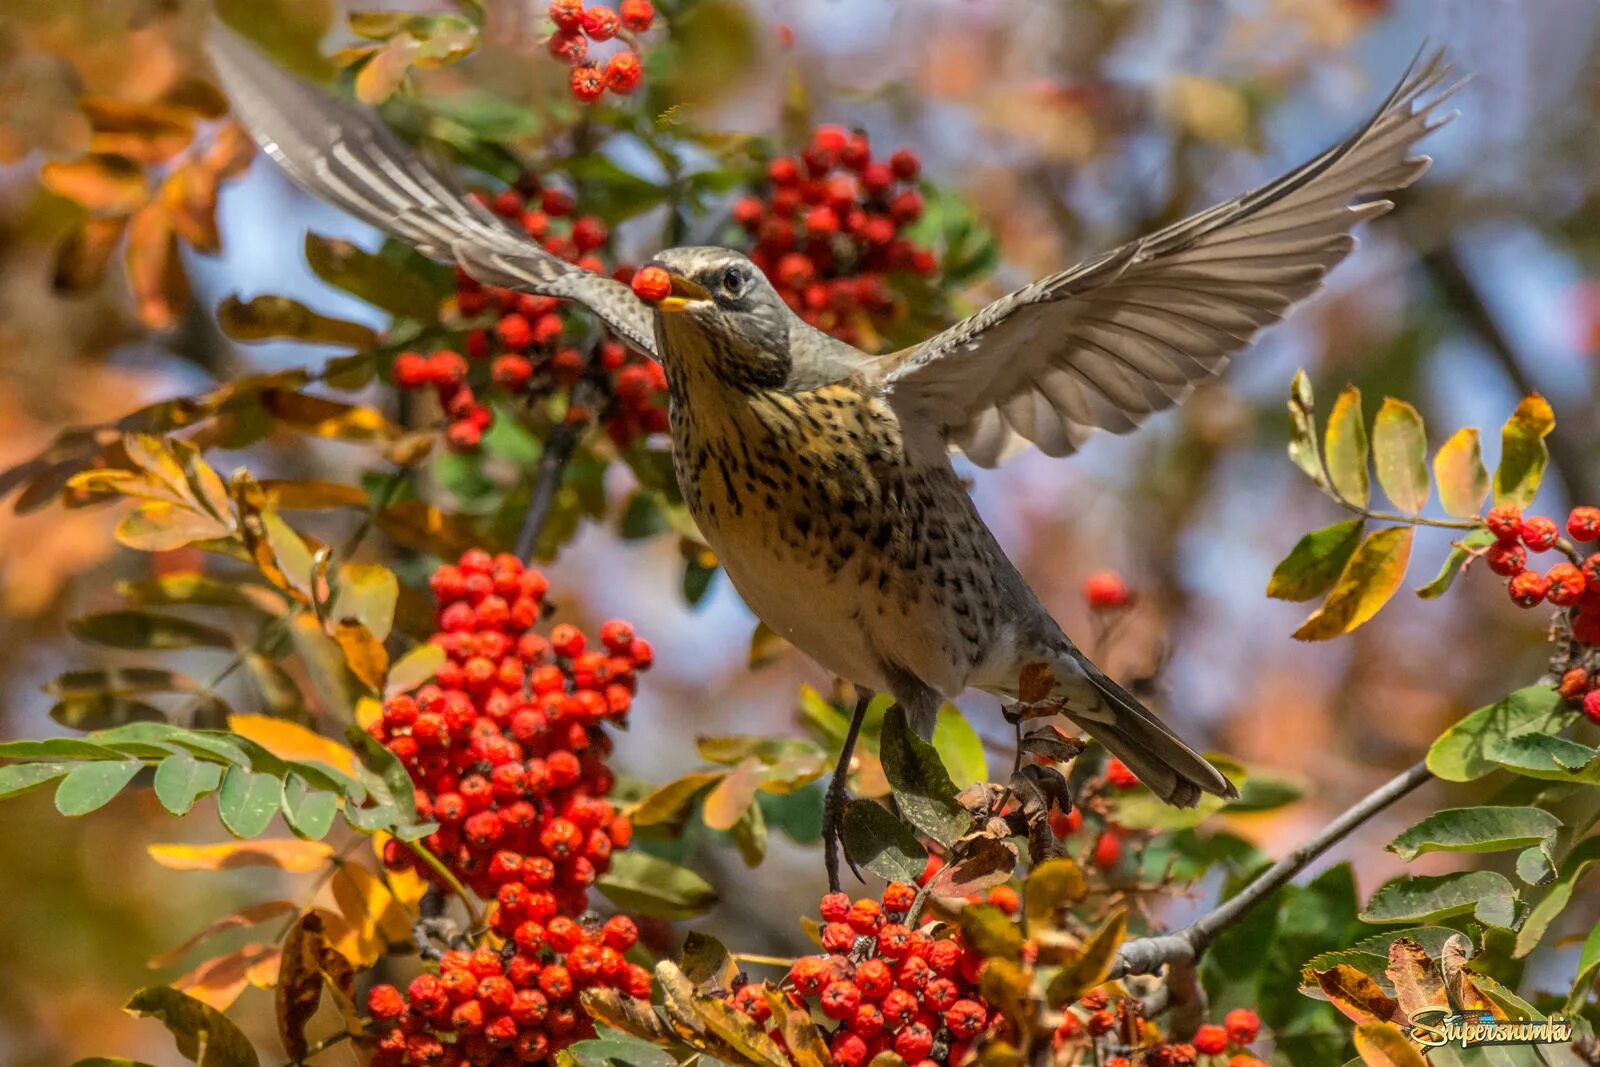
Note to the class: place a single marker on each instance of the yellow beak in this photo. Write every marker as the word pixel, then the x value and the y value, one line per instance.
pixel 684 292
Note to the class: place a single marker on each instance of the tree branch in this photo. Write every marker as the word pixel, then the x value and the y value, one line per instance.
pixel 1147 955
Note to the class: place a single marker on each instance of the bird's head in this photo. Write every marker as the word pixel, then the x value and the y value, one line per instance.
pixel 719 308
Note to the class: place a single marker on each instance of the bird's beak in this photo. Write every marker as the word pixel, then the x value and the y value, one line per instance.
pixel 684 292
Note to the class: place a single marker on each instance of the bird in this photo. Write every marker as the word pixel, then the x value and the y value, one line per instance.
pixel 821 475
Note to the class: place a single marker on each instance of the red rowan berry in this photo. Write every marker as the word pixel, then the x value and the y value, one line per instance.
pixel 894 941
pixel 1528 589
pixel 1567 585
pixel 651 284
pixel 874 978
pixel 837 937
pixel 1063 823
pixel 1106 589
pixel 905 164
pixel 1101 1022
pixel 1539 533
pixel 848 1050
pixel 913 1043
pixel 623 71
pixel 1107 850
pixel 898 897
pixel 864 916
pixel 1584 524
pixel 424 1050
pixel 1506 559
pixel 567 14
pixel 1244 1059
pixel 637 15
pixel 1591 572
pixel 1005 898
pixel 412 370
pixel 1243 1026
pixel 806 974
pixel 835 907
pixel 588 83
pixel 600 23
pixel 1505 522
pixel 1591 706
pixel 447 369
pixel 840 999
pixel 1210 1039
pixel 384 1002
pixel 966 1018
pixel 426 994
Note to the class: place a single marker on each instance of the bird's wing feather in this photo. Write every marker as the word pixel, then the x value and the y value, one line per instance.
pixel 344 154
pixel 1103 345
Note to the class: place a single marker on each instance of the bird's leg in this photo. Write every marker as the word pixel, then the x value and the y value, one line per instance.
pixel 833 806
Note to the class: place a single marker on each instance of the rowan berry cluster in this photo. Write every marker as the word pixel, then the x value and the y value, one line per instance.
pixel 886 986
pixel 578 25
pixel 524 346
pixel 1119 1036
pixel 487 1007
pixel 507 751
pixel 828 232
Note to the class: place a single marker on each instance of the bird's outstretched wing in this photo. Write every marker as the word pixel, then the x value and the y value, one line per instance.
pixel 344 154
pixel 1106 343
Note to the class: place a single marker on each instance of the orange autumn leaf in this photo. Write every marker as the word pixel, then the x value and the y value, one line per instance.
pixel 82 256
pixel 367 916
pixel 218 982
pixel 286 854
pixel 155 274
pixel 291 741
pixel 143 132
pixel 254 915
pixel 114 185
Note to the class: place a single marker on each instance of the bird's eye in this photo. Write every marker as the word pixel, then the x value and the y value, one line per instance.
pixel 733 281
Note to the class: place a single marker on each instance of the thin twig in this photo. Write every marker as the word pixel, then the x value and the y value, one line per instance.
pixel 559 445
pixel 1147 955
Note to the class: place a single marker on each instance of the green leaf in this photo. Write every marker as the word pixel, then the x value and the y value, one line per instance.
pixel 19 778
pixel 388 784
pixel 750 835
pixel 643 884
pixel 367 593
pixel 294 556
pixel 1555 759
pixel 1523 453
pixel 642 517
pixel 309 812
pixel 55 748
pixel 1553 903
pixel 1316 561
pixel 1588 967
pixel 1303 448
pixel 1345 443
pixel 960 748
pixel 1142 809
pixel 1371 577
pixel 1459 470
pixel 696 580
pixel 1261 791
pixel 1460 552
pixel 1460 753
pixel 1487 895
pixel 141 631
pixel 1400 451
pixel 181 780
pixel 380 281
pixel 881 843
pixel 618 1050
pixel 1480 829
pixel 204 1035
pixel 923 791
pixel 90 786
pixel 247 801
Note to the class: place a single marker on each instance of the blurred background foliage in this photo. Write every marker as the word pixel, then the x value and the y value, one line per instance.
pixel 1065 127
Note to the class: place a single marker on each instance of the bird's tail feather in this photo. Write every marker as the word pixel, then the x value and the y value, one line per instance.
pixel 1173 771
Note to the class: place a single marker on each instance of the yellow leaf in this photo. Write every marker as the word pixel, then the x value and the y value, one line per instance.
pixel 1385 1045
pixel 1369 580
pixel 159 527
pixel 368 916
pixel 291 741
pixel 407 885
pixel 368 659
pixel 1356 994
pixel 368 711
pixel 1346 449
pixel 218 982
pixel 286 854
pixel 1523 453
pixel 383 72
pixel 726 804
pixel 1400 450
pixel 1458 468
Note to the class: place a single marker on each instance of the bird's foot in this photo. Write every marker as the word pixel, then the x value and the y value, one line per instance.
pixel 833 833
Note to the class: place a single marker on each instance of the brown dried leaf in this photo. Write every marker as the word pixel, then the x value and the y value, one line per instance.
pixel 1416 978
pixel 310 964
pixel 628 1014
pixel 987 863
pixel 1035 682
pixel 1355 994
pixel 1464 993
pixel 801 1037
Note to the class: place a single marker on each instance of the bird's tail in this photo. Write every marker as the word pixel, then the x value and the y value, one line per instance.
pixel 1113 716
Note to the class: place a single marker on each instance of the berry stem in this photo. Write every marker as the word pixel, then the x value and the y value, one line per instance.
pixel 559 445
pixel 474 916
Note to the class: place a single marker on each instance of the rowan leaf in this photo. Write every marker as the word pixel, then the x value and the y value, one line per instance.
pixel 1400 452
pixel 1461 752
pixel 380 281
pixel 1316 561
pixel 1460 552
pixel 1523 452
pixel 1545 911
pixel 218 982
pixel 1459 470
pixel 85 252
pixel 102 182
pixel 370 918
pixel 418 665
pixel 181 779
pixel 268 318
pixel 204 1036
pixel 1487 895
pixel 960 748
pixel 154 269
pixel 732 797
pixel 1356 994
pixel 291 741
pixel 1371 577
pixel 666 803
pixel 1346 448
pixel 923 791
pixel 1090 964
pixel 1303 448
pixel 1050 886
pixel 1384 1044
pixel 90 786
pixel 284 854
pixel 881 843
pixel 19 778
pixel 308 811
pixel 648 885
pixel 367 593
pixel 1418 982
pixel 247 801
pixel 254 915
pixel 1480 829
pixel 142 631
pixel 365 655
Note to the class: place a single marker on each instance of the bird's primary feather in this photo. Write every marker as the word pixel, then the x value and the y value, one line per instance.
pixel 1108 342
